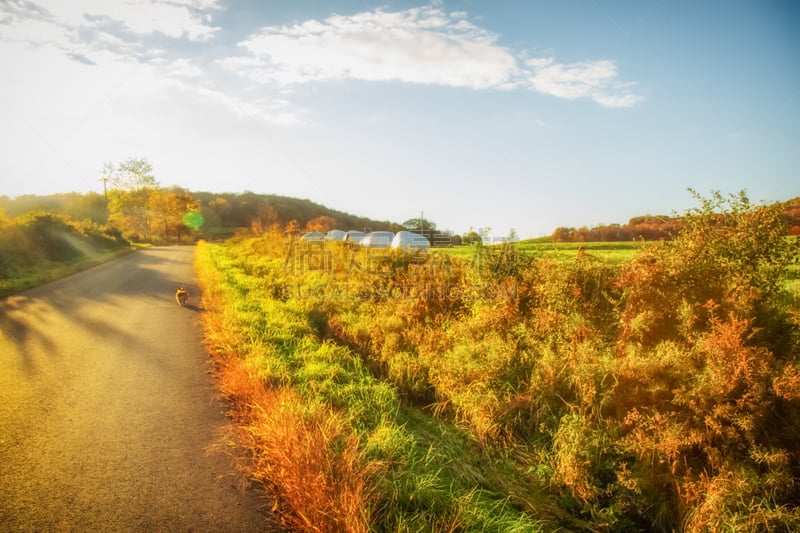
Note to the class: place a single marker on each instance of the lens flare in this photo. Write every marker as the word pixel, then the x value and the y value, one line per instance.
pixel 193 220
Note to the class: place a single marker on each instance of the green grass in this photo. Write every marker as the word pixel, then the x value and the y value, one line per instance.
pixel 607 252
pixel 46 272
pixel 546 408
pixel 433 478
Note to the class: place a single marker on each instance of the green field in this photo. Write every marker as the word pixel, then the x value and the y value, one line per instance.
pixel 607 252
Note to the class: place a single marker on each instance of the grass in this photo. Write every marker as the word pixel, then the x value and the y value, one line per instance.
pixel 334 442
pixel 45 272
pixel 40 247
pixel 595 395
pixel 607 252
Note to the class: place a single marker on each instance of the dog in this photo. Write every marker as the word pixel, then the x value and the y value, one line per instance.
pixel 181 296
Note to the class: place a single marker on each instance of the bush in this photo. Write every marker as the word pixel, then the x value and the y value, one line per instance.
pixel 513 391
pixel 39 246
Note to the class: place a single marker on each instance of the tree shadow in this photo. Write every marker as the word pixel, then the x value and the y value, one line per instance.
pixel 92 301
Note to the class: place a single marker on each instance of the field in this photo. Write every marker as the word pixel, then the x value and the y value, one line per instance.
pixel 607 252
pixel 517 388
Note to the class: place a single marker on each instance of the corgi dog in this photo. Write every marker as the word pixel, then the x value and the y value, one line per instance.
pixel 181 296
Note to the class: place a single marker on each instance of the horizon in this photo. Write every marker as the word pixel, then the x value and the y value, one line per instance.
pixel 479 230
pixel 523 116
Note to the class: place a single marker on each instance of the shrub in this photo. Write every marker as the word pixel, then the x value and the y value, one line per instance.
pixel 517 392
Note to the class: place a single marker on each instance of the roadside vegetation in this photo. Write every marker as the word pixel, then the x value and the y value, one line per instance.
pixel 39 247
pixel 513 390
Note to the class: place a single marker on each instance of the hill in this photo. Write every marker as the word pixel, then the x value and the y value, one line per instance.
pixel 227 212
pixel 223 213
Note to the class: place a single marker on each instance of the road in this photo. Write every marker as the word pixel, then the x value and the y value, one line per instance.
pixel 107 411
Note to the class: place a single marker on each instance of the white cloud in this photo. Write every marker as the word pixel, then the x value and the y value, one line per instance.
pixel 98 44
pixel 422 45
pixel 184 68
pixel 596 80
pixel 175 18
pixel 98 53
pixel 275 111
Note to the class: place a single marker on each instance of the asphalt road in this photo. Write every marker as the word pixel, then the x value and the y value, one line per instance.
pixel 107 411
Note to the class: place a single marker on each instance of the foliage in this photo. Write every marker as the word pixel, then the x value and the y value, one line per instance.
pixel 648 228
pixel 168 210
pixel 730 258
pixel 142 210
pixel 227 213
pixel 419 224
pixel 128 210
pixel 531 388
pixel 41 246
pixel 130 175
pixel 340 425
pixel 76 206
pixel 652 228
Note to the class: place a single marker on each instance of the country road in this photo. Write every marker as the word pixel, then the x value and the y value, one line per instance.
pixel 107 410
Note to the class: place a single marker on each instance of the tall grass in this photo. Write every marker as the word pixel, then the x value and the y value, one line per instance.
pixel 519 392
pixel 334 442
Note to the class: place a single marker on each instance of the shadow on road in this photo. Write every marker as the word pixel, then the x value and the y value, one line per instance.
pixel 33 324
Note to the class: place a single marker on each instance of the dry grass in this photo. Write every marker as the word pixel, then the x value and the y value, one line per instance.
pixel 307 457
pixel 658 396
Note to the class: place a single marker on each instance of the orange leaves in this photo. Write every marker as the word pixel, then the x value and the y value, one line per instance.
pixel 787 384
pixel 732 364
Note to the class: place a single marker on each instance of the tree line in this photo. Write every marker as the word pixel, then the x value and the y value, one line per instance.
pixel 134 205
pixel 653 228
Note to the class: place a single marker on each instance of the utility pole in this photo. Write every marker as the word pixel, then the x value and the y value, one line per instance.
pixel 105 176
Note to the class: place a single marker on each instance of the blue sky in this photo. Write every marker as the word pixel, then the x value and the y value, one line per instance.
pixel 526 115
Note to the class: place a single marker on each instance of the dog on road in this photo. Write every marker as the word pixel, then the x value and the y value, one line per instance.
pixel 181 295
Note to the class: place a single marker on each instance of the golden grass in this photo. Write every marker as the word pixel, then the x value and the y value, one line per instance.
pixel 306 456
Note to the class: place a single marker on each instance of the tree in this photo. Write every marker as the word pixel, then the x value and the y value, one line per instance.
pixel 128 211
pixel 322 223
pixel 167 210
pixel 265 218
pixel 419 224
pixel 471 237
pixel 132 174
pixel 133 184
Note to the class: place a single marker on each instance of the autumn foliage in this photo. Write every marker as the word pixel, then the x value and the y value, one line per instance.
pixel 512 392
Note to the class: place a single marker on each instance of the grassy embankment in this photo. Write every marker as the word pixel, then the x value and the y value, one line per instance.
pixel 517 392
pixel 42 247
pixel 337 443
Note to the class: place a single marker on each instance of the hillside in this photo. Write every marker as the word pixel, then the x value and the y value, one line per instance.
pixel 39 247
pixel 226 212
pixel 223 213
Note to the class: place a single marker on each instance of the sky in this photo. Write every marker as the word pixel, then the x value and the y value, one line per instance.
pixel 509 115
